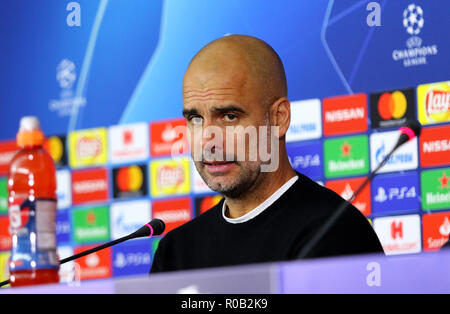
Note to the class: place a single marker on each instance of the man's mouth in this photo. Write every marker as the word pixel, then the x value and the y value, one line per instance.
pixel 218 166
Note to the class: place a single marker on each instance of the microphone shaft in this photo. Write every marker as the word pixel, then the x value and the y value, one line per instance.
pixel 84 253
pixel 95 249
pixel 340 210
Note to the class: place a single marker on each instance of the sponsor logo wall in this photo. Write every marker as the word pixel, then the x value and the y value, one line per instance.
pixel 112 180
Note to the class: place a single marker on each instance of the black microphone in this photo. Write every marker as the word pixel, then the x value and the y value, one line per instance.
pixel 153 228
pixel 408 132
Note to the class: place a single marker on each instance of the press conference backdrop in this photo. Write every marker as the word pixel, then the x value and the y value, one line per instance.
pixel 104 78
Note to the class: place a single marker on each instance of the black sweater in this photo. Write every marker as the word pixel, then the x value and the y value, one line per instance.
pixel 278 233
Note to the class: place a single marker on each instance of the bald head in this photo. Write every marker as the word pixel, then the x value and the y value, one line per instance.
pixel 246 60
pixel 235 106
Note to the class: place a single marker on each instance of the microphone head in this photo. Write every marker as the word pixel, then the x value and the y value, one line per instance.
pixel 158 226
pixel 153 228
pixel 414 126
pixel 409 131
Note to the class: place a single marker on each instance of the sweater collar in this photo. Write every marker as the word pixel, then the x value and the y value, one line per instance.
pixel 261 207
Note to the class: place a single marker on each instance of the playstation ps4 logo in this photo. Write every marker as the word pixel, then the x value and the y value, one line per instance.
pixel 395 193
pixel 305 161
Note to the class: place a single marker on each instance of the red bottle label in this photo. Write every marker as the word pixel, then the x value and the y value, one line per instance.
pixel 33 226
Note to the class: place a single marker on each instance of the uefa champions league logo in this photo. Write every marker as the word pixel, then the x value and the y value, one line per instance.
pixel 413 19
pixel 65 74
pixel 415 53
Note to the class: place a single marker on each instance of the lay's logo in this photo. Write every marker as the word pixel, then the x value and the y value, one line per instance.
pixel 434 103
pixel 88 148
pixel 170 177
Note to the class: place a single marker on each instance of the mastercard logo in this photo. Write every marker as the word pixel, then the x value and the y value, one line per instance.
pixel 392 105
pixel 55 148
pixel 130 179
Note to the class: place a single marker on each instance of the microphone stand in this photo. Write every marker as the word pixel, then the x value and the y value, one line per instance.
pixel 340 210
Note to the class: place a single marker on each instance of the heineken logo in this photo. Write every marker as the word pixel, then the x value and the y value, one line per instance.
pixel 346 156
pixel 91 225
pixel 435 189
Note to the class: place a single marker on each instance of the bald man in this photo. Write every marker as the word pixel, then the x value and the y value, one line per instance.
pixel 237 112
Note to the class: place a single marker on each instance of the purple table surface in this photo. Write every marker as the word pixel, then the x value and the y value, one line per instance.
pixel 418 273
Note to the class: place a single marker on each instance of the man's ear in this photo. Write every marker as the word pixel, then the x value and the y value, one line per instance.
pixel 280 115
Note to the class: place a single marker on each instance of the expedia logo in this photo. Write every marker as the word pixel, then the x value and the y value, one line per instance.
pixel 392 108
pixel 130 181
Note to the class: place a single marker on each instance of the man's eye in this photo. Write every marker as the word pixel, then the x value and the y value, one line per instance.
pixel 229 117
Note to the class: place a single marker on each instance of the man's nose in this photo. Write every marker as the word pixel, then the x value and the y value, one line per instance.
pixel 212 137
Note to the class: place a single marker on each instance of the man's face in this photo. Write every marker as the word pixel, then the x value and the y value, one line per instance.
pixel 223 118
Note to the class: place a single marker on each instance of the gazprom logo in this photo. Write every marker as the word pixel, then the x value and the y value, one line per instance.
pixel 306 120
pixel 394 159
pixel 404 158
pixel 302 128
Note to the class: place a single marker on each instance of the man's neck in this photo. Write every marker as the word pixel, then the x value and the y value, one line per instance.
pixel 266 185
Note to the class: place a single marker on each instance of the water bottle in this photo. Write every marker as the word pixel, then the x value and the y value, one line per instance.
pixel 32 209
